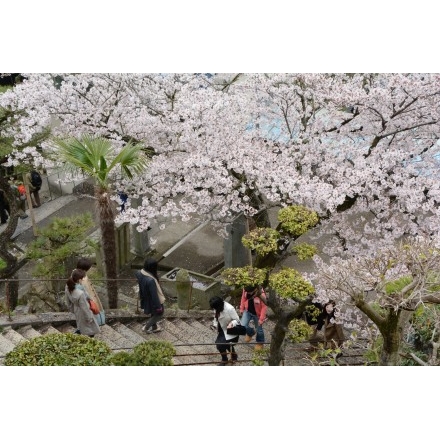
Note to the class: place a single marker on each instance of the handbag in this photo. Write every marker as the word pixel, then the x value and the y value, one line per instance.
pixel 236 330
pixel 100 318
pixel 93 306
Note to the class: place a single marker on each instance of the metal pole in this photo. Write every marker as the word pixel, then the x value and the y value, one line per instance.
pixel 190 294
pixel 8 302
pixel 31 210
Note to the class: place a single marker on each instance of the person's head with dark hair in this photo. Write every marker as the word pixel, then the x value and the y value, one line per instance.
pixel 217 304
pixel 84 264
pixel 251 288
pixel 150 265
pixel 77 275
pixel 251 291
pixel 330 307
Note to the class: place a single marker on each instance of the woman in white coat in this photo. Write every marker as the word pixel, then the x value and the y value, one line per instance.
pixel 225 317
pixel 76 300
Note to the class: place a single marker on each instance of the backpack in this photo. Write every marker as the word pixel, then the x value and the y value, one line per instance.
pixel 36 179
pixel 21 192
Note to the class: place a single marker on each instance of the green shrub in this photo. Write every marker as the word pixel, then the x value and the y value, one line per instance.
pixel 262 240
pixel 154 353
pixel 59 349
pixel 243 276
pixel 424 324
pixel 297 220
pixel 304 251
pixel 289 283
pixel 259 357
pixel 123 359
pixel 299 331
pixel 372 355
pixel 396 286
pixel 56 243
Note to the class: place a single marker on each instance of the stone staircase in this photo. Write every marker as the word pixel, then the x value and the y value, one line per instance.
pixel 189 332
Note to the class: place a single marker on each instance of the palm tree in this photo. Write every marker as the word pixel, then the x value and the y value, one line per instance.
pixel 97 158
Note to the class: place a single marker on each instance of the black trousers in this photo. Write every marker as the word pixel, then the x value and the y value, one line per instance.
pixel 4 210
pixel 224 345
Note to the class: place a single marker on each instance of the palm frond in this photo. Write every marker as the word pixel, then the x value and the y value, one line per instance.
pixel 96 157
pixel 132 160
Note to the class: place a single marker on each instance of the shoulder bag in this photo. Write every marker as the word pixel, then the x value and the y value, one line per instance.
pixel 93 306
pixel 237 330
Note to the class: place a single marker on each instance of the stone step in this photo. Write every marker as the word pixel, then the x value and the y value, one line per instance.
pixel 191 336
pixel 13 336
pixel 128 333
pixel 48 330
pixel 127 299
pixel 186 354
pixel 113 339
pixel 66 328
pixel 163 335
pixel 28 332
pixel 5 345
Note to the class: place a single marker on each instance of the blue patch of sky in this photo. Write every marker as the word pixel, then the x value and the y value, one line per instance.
pixel 271 129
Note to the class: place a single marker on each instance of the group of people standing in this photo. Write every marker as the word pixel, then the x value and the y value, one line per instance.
pixel 32 180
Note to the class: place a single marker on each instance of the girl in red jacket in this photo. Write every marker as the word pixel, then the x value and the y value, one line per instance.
pixel 253 308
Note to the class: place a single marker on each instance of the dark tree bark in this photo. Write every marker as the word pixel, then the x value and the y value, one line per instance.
pixel 391 327
pixel 107 223
pixel 283 316
pixel 5 240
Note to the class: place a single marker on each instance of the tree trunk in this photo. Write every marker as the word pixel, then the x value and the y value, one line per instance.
pixel 267 261
pixel 276 355
pixel 392 335
pixel 107 223
pixel 5 239
pixel 11 290
pixel 283 318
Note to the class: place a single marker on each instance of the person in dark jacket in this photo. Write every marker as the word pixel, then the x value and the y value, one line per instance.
pixel 151 296
pixel 333 333
pixel 34 191
pixel 4 207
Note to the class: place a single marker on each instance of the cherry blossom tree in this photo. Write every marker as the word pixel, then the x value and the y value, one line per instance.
pixel 387 288
pixel 361 150
pixel 350 145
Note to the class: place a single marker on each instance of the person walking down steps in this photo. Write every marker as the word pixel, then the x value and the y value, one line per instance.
pixel 151 296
